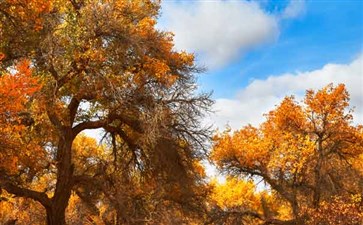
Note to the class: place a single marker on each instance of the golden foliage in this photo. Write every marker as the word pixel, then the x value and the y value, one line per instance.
pixel 305 152
pixel 16 91
pixel 235 193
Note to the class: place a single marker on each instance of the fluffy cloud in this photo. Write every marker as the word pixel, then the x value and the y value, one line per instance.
pixel 218 31
pixel 294 9
pixel 261 96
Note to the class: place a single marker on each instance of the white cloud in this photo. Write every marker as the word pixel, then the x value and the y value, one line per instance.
pixel 218 31
pixel 261 96
pixel 294 9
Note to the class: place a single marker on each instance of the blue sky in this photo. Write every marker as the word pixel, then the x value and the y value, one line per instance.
pixel 328 32
pixel 257 52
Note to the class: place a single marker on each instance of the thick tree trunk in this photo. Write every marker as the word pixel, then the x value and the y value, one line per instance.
pixel 55 217
pixel 56 213
pixel 59 202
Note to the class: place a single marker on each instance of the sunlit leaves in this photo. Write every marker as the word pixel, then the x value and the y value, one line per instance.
pixel 236 193
pixel 87 154
pixel 304 151
pixel 245 146
pixel 16 89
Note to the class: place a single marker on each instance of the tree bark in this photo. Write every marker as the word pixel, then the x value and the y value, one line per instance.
pixel 54 217
pixel 59 202
pixel 317 174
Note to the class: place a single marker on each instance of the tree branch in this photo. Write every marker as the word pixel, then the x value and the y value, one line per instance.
pixel 103 123
pixel 89 125
pixel 27 193
pixel 73 107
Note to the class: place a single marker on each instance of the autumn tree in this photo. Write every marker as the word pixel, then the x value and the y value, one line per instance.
pixel 99 65
pixel 307 153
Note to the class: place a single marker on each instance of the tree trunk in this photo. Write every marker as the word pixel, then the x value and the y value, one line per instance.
pixel 56 214
pixel 317 174
pixel 55 217
pixel 59 202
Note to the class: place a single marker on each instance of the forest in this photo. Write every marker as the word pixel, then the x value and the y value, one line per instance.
pixel 68 66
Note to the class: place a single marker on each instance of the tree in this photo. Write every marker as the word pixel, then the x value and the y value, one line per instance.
pixel 306 153
pixel 101 65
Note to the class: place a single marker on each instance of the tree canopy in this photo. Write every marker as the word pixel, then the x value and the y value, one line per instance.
pixel 69 66
pixel 306 153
